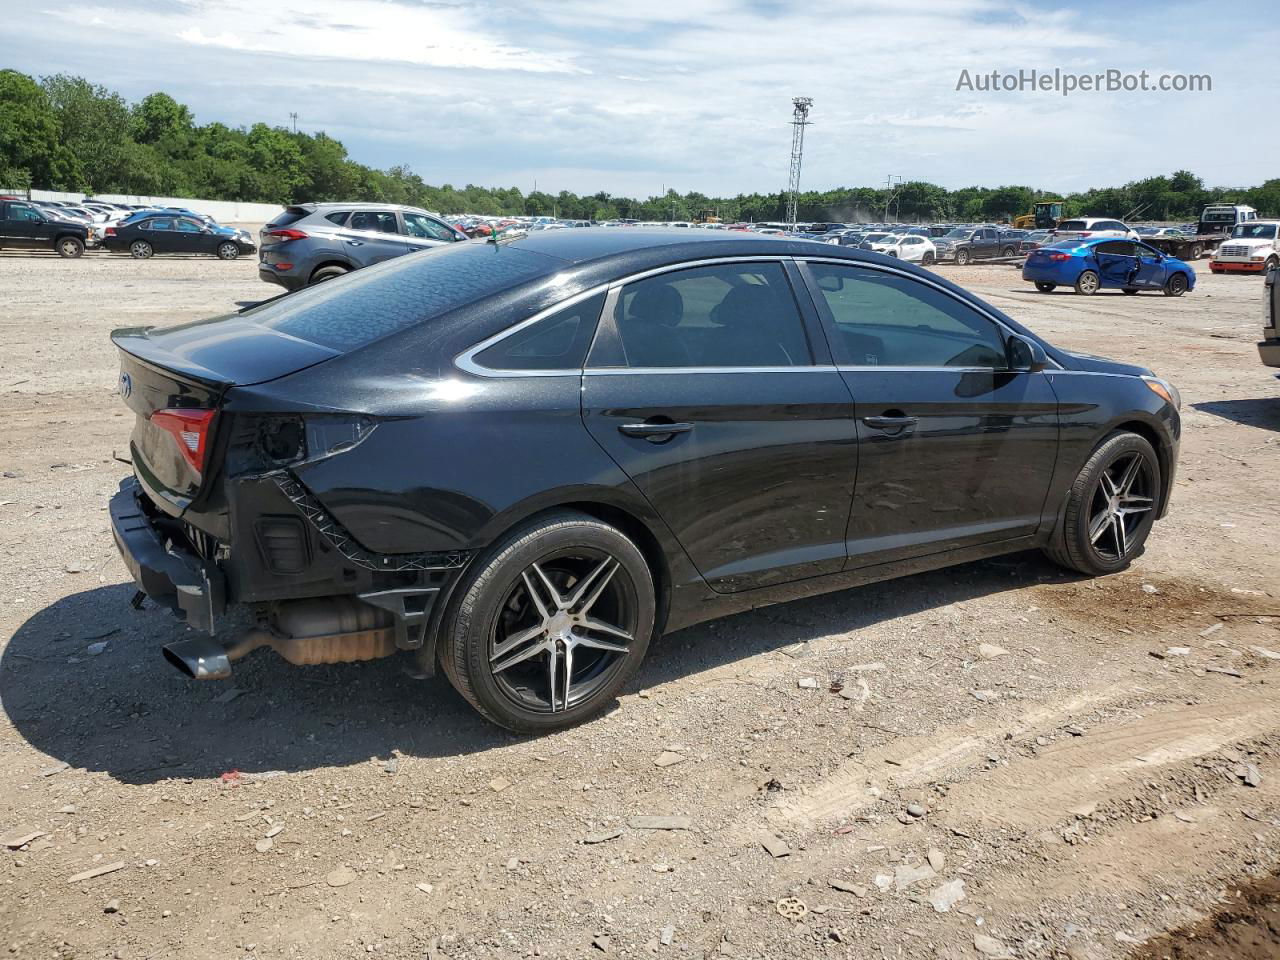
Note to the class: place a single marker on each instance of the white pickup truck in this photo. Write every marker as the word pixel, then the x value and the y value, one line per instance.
pixel 1253 247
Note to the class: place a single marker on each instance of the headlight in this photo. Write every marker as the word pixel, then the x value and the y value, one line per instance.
pixel 1164 389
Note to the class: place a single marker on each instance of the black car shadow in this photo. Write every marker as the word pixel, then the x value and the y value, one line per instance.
pixel 127 713
pixel 1263 413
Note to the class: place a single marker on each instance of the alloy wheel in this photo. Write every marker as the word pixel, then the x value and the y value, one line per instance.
pixel 140 249
pixel 565 628
pixel 228 251
pixel 1123 496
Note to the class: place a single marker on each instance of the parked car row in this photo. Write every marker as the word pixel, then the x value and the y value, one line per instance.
pixel 69 229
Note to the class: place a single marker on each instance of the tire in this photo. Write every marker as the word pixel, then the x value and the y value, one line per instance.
pixel 328 273
pixel 1273 263
pixel 69 247
pixel 1008 252
pixel 1176 285
pixel 141 250
pixel 1087 283
pixel 926 260
pixel 1196 251
pixel 962 258
pixel 1129 290
pixel 1046 287
pixel 228 251
pixel 505 596
pixel 1086 541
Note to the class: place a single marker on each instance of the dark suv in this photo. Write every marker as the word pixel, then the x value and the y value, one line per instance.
pixel 311 242
pixel 974 243
pixel 24 225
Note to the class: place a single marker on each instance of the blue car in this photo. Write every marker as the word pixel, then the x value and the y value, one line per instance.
pixel 1107 263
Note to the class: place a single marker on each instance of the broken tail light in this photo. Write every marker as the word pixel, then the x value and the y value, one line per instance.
pixel 190 430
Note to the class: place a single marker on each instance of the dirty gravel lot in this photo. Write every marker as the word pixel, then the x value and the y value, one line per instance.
pixel 1095 762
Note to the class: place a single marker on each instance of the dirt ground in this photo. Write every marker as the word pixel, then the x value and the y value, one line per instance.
pixel 1094 762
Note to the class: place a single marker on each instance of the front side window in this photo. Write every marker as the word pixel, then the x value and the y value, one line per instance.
pixel 556 342
pixel 728 315
pixel 379 221
pixel 420 225
pixel 19 211
pixel 887 320
pixel 188 226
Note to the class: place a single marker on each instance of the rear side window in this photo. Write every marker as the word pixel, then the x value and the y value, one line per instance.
pixel 556 342
pixel 1120 248
pixel 378 301
pixel 339 217
pixel 158 224
pixel 382 221
pixel 730 315
pixel 888 320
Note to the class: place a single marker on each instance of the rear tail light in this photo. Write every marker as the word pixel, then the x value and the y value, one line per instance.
pixel 111 232
pixel 1085 233
pixel 287 233
pixel 1059 256
pixel 190 429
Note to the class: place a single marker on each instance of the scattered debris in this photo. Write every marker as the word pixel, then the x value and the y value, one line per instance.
pixel 1148 588
pixel 916 810
pixel 498 784
pixel 1211 630
pixel 20 838
pixel 989 651
pixel 391 766
pixel 1178 652
pixel 94 649
pixel 909 876
pixel 424 887
pixel 55 769
pixel 97 872
pixel 340 877
pixel 984 696
pixel 857 889
pixel 775 846
pixel 1248 774
pixel 111 906
pixel 807 683
pixel 1265 653
pixel 1225 671
pixel 989 946
pixel 667 936
pixel 601 943
pixel 944 897
pixel 792 908
pixel 602 836
pixel 937 859
pixel 226 696
pixel 661 823
pixel 263 845
pixel 668 758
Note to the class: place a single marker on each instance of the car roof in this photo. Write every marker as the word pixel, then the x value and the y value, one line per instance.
pixel 597 243
pixel 352 204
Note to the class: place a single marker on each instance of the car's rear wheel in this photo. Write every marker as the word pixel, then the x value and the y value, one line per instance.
pixel 1196 251
pixel 927 259
pixel 1008 252
pixel 551 624
pixel 70 247
pixel 1110 507
pixel 962 257
pixel 1175 286
pixel 1087 283
pixel 1046 287
pixel 140 250
pixel 329 273
pixel 228 251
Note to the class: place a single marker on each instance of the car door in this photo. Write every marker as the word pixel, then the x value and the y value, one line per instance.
pixel 190 237
pixel 159 232
pixel 25 227
pixel 955 449
pixel 1151 269
pixel 1117 265
pixel 990 244
pixel 372 236
pixel 704 386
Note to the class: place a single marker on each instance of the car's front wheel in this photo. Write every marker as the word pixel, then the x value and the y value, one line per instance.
pixel 1110 507
pixel 228 251
pixel 1087 283
pixel 549 626
pixel 962 258
pixel 1175 286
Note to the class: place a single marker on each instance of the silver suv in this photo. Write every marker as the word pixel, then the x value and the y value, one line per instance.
pixel 311 242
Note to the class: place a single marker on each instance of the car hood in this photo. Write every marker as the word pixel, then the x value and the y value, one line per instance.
pixel 1250 242
pixel 1091 364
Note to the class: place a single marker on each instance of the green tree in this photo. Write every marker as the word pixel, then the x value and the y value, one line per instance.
pixel 31 150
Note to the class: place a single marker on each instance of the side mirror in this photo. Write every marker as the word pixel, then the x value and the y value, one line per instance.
pixel 1025 355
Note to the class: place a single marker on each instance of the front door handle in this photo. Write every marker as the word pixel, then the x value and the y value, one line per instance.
pixel 889 423
pixel 651 430
pixel 355 243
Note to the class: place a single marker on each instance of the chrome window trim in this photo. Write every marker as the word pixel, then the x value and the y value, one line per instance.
pixel 1008 331
pixel 621 371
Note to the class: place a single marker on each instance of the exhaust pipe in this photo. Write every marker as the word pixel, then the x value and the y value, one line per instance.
pixel 304 632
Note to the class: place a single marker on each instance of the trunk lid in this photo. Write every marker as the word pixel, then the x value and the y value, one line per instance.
pixel 189 368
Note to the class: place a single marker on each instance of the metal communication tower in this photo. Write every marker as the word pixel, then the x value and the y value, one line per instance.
pixel 799 120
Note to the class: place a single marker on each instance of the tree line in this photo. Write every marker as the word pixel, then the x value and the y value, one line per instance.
pixel 65 133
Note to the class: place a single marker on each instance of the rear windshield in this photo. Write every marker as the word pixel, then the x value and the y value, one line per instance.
pixel 1062 245
pixel 378 301
pixel 1072 225
pixel 287 217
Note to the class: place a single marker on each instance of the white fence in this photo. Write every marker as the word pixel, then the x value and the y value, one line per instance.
pixel 224 211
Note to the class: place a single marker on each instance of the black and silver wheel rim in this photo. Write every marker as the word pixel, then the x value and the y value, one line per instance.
pixel 1122 498
pixel 565 628
pixel 228 251
pixel 1177 284
pixel 140 250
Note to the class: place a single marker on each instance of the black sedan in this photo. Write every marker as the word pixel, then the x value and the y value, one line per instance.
pixel 523 460
pixel 172 233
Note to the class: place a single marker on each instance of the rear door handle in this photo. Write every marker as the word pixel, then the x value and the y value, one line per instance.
pixel 889 423
pixel 648 430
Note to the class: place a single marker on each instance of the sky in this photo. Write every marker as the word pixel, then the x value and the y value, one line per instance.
pixel 637 96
